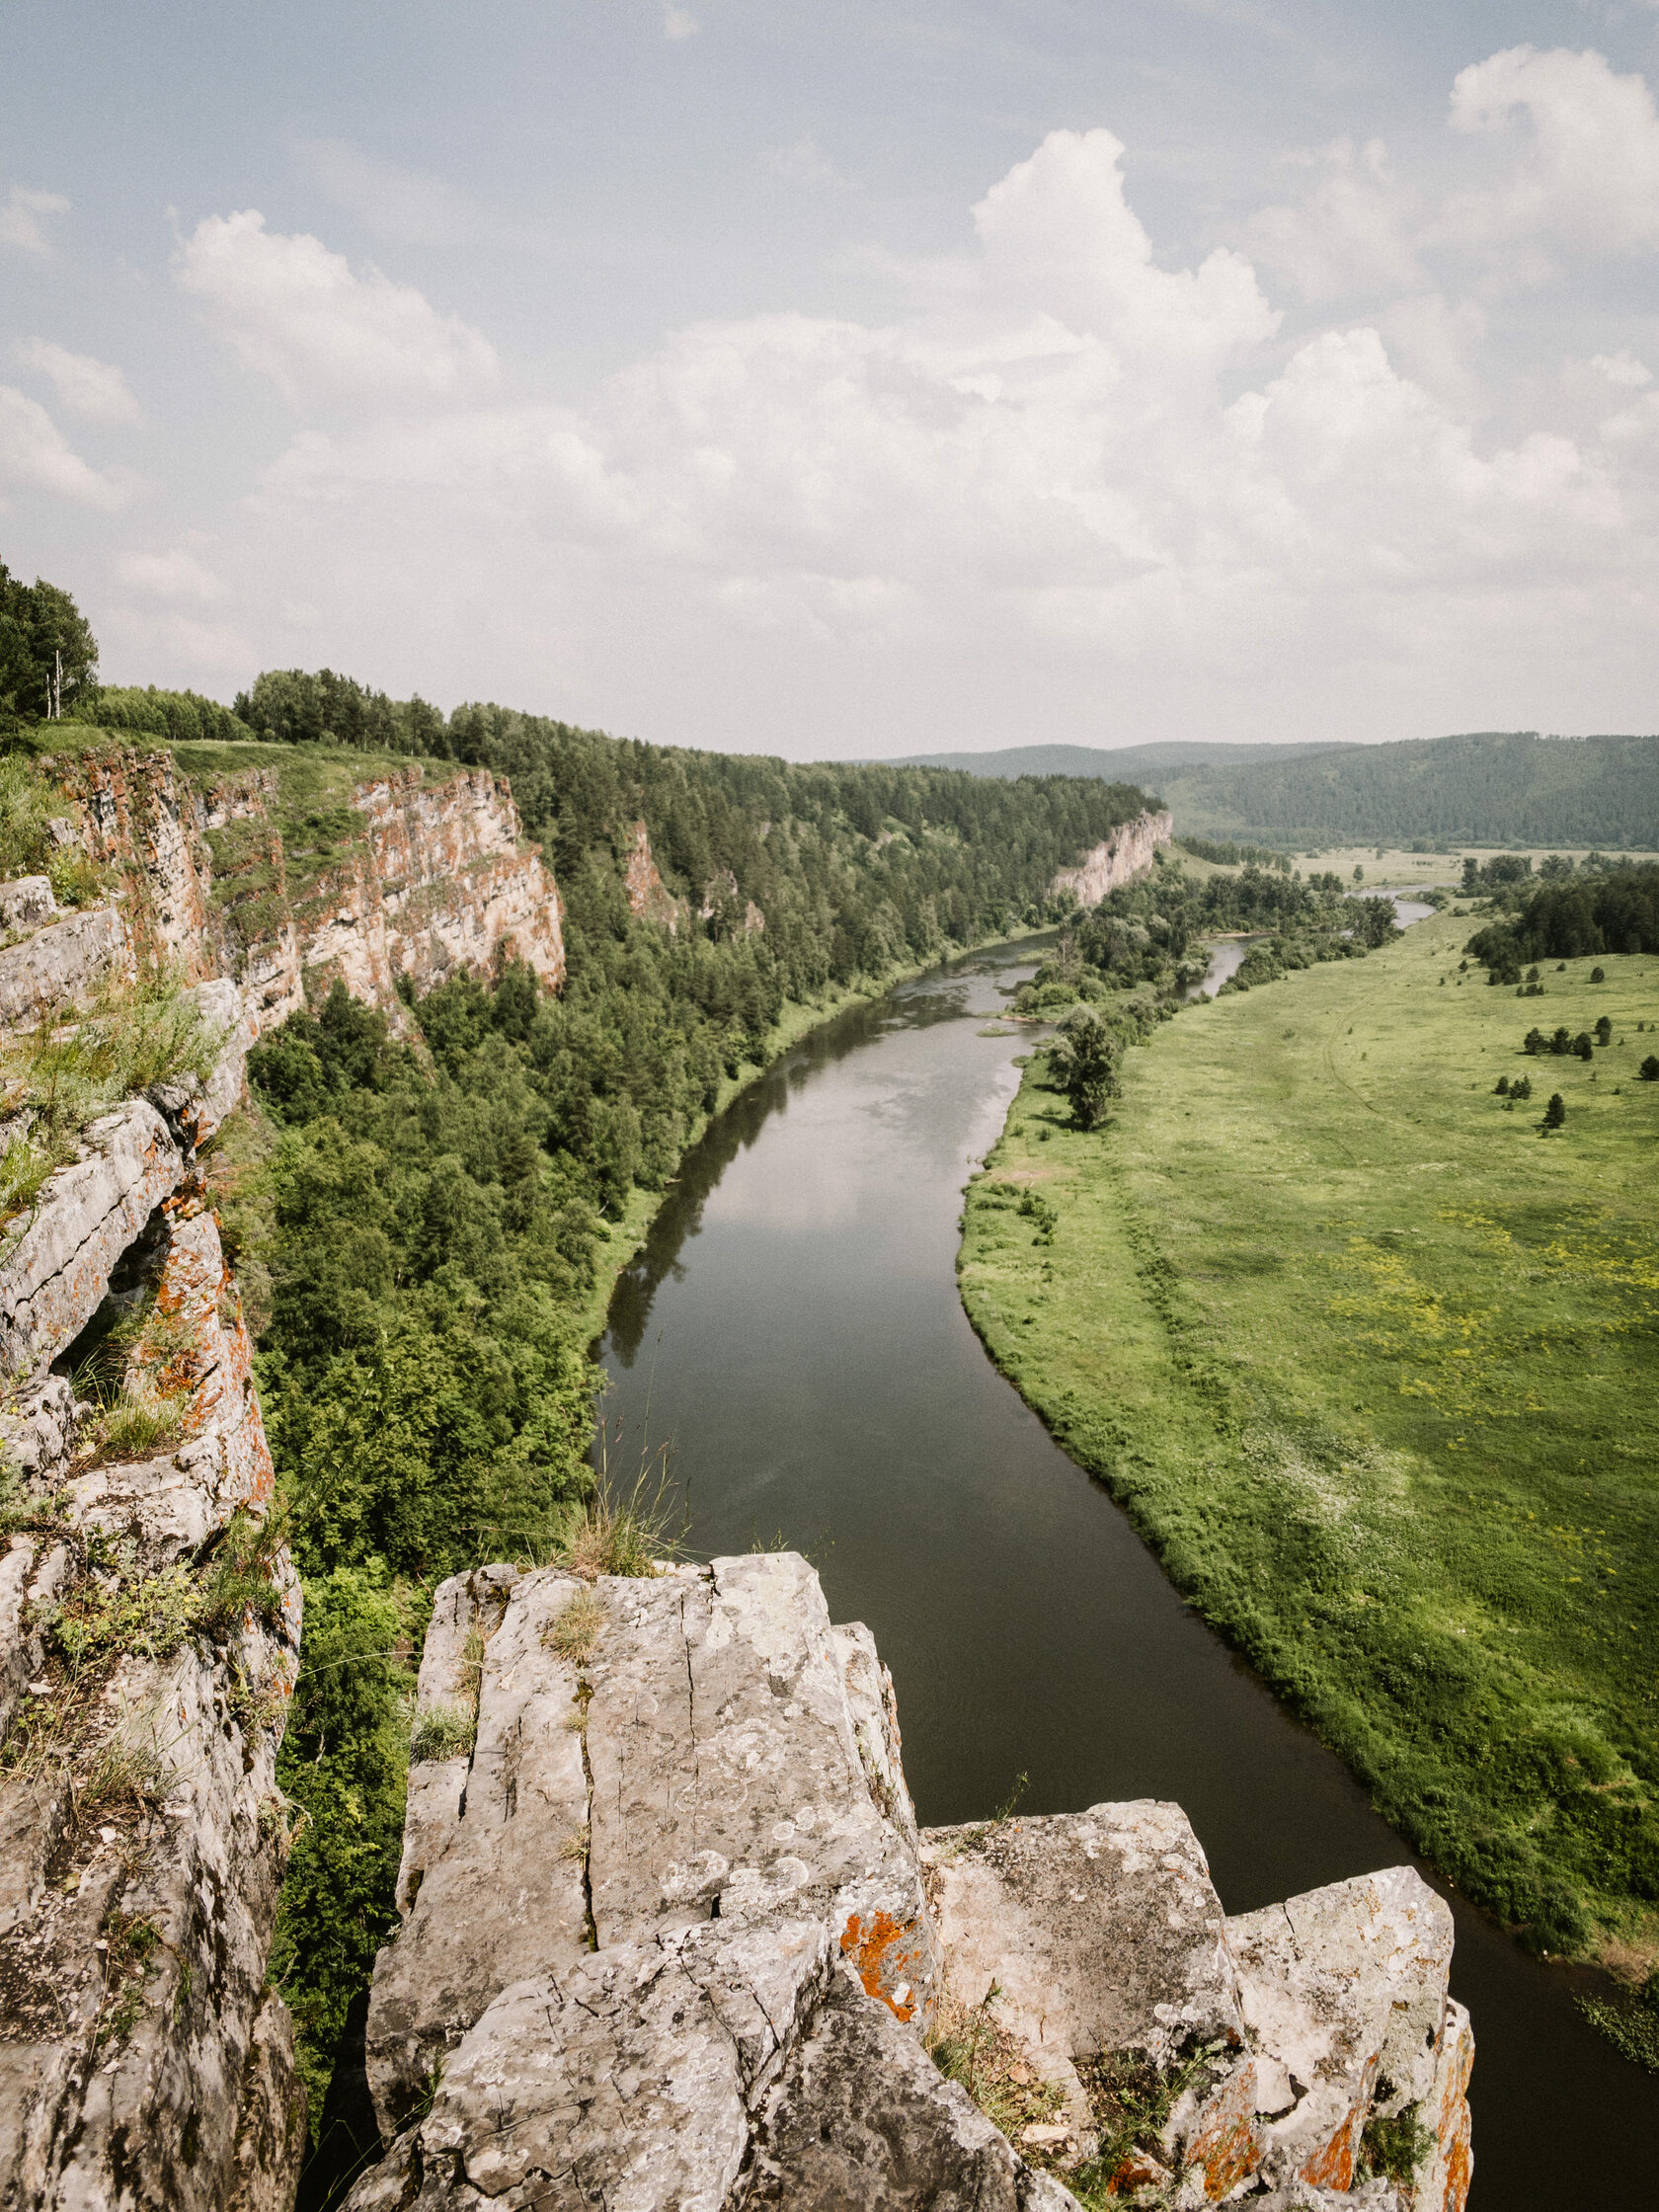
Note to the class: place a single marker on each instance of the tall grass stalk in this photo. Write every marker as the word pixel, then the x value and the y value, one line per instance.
pixel 626 1532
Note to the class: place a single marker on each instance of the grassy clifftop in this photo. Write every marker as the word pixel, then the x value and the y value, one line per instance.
pixel 1370 1363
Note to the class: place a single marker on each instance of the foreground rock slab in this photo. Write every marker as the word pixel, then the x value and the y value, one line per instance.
pixel 671 1939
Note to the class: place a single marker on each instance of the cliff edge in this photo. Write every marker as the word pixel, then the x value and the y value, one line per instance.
pixel 670 1936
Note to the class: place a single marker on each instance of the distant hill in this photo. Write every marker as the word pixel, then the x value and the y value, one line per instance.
pixel 1489 787
pixel 1131 763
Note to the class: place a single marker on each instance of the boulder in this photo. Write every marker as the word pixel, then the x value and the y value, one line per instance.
pixel 493 1889
pixel 862 2116
pixel 669 1938
pixel 1344 1992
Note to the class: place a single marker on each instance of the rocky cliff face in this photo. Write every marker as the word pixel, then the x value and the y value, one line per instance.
pixel 671 1938
pixel 1118 859
pixel 149 1635
pixel 409 878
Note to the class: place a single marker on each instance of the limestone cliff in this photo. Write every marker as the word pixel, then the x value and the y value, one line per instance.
pixel 1117 859
pixel 670 1936
pixel 149 1635
pixel 408 877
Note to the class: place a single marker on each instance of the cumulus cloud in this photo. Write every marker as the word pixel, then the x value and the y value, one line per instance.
pixel 321 332
pixel 35 456
pixel 1061 470
pixel 1350 233
pixel 20 219
pixel 1585 174
pixel 92 389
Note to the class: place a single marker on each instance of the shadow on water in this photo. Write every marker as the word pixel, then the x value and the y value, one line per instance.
pixel 793 1324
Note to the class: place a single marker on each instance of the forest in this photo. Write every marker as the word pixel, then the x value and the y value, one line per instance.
pixel 1148 937
pixel 1569 915
pixel 1486 788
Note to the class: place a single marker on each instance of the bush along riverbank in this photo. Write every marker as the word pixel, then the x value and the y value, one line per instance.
pixel 1367 1352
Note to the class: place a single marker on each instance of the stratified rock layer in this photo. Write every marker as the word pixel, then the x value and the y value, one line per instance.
pixel 671 1938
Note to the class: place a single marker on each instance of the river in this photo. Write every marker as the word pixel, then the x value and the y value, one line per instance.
pixel 792 1330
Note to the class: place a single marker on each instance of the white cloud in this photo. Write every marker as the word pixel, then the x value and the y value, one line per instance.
pixel 177 575
pixel 409 206
pixel 92 389
pixel 20 219
pixel 678 23
pixel 36 456
pixel 1586 176
pixel 1348 236
pixel 1056 471
pixel 299 314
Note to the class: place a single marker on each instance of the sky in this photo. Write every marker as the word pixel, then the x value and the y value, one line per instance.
pixel 850 380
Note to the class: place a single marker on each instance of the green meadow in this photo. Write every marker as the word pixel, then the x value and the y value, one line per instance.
pixel 1372 1362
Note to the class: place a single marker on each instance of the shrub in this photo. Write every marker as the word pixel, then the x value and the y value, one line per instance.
pixel 1583 1047
pixel 1598 974
pixel 1649 1069
pixel 1522 1087
pixel 1555 1113
pixel 1604 1031
pixel 1535 1042
pixel 1501 1086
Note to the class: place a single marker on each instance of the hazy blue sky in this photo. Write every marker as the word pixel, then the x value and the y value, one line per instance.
pixel 845 378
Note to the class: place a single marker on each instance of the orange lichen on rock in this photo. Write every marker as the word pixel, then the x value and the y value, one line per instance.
pixel 1224 2144
pixel 883 1955
pixel 1332 2166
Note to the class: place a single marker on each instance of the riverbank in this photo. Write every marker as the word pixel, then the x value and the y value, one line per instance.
pixel 1370 1364
pixel 627 1236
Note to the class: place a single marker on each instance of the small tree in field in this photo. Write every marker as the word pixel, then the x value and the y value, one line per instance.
pixel 1604 1031
pixel 1649 1069
pixel 1555 1113
pixel 1084 1062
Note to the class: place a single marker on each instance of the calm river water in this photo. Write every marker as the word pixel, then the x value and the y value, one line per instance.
pixel 792 1330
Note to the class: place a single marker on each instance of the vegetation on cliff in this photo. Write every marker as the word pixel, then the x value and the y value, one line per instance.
pixel 423 1223
pixel 1370 1366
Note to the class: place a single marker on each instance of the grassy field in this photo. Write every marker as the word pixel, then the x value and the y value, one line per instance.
pixel 1373 1364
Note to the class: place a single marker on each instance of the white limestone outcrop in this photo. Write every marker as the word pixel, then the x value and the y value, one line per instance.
pixel 1118 859
pixel 671 1938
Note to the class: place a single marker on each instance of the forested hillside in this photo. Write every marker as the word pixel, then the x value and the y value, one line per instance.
pixel 1150 764
pixel 1491 788
pixel 1488 788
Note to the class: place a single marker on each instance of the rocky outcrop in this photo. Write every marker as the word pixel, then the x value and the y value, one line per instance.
pixel 670 1936
pixel 421 879
pixel 648 894
pixel 440 883
pixel 63 964
pixel 1117 859
pixel 149 1632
